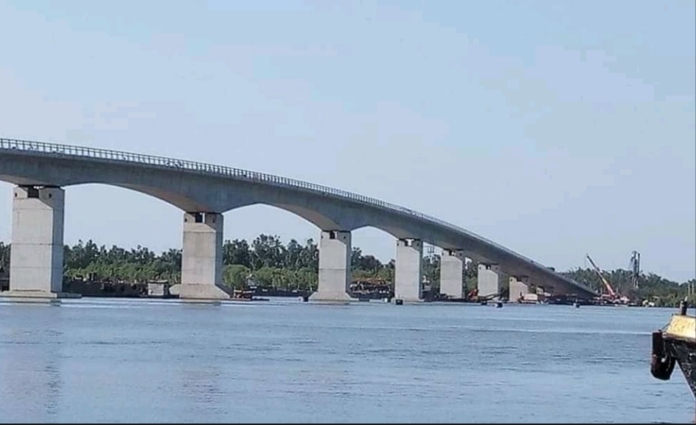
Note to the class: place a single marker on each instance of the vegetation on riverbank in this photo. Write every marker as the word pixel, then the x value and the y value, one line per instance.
pixel 651 287
pixel 267 261
pixel 272 264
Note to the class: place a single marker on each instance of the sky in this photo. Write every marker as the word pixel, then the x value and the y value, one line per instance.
pixel 554 128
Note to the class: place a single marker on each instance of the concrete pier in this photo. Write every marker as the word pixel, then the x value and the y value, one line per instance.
pixel 334 266
pixel 490 277
pixel 201 265
pixel 452 273
pixel 36 261
pixel 519 287
pixel 409 270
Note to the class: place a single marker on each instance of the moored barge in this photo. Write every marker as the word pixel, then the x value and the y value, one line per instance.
pixel 676 344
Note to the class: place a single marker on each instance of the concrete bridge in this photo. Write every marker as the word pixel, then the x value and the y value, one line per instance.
pixel 203 192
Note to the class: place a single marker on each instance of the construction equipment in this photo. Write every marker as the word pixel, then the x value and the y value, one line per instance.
pixel 474 296
pixel 634 265
pixel 610 290
pixel 613 297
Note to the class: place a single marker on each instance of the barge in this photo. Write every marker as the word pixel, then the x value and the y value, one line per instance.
pixel 676 345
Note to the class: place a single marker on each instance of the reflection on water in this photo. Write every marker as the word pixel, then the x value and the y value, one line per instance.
pixel 31 379
pixel 203 391
pixel 287 361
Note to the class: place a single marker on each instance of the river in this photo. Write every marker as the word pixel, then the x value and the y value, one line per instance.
pixel 144 360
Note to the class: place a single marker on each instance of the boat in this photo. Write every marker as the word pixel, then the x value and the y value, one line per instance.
pixel 245 295
pixel 676 344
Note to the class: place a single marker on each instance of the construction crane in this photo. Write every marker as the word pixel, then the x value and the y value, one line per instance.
pixel 610 290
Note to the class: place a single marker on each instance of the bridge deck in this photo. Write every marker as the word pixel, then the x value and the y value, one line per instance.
pixel 41 149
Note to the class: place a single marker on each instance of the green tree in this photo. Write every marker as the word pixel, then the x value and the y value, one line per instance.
pixel 268 251
pixel 237 252
pixel 309 257
pixel 293 255
pixel 236 275
pixel 306 279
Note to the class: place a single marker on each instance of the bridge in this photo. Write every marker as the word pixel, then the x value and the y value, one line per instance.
pixel 42 171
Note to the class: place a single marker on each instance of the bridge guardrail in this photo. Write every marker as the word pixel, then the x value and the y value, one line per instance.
pixel 219 170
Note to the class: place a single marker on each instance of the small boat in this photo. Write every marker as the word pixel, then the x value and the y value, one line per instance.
pixel 676 344
pixel 242 294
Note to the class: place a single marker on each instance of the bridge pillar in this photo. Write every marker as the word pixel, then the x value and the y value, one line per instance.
pixel 334 266
pixel 490 276
pixel 36 260
pixel 201 263
pixel 408 275
pixel 452 273
pixel 519 287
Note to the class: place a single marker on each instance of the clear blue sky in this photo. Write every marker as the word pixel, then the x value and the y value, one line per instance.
pixel 556 128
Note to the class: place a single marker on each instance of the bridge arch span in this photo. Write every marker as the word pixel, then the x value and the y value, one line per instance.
pixel 205 188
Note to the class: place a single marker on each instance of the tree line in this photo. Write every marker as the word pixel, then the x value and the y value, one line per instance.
pixel 294 266
pixel 266 261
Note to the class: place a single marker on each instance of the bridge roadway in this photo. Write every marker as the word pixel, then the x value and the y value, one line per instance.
pixel 41 171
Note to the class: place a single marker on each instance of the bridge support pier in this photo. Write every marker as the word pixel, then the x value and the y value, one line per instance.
pixel 519 287
pixel 490 277
pixel 36 260
pixel 334 266
pixel 408 275
pixel 452 273
pixel 201 263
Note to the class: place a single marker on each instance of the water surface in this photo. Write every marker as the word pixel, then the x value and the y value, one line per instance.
pixel 287 361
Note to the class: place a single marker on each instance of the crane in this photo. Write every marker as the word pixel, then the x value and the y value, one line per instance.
pixel 610 290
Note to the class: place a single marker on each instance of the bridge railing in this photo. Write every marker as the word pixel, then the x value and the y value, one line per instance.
pixel 218 170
